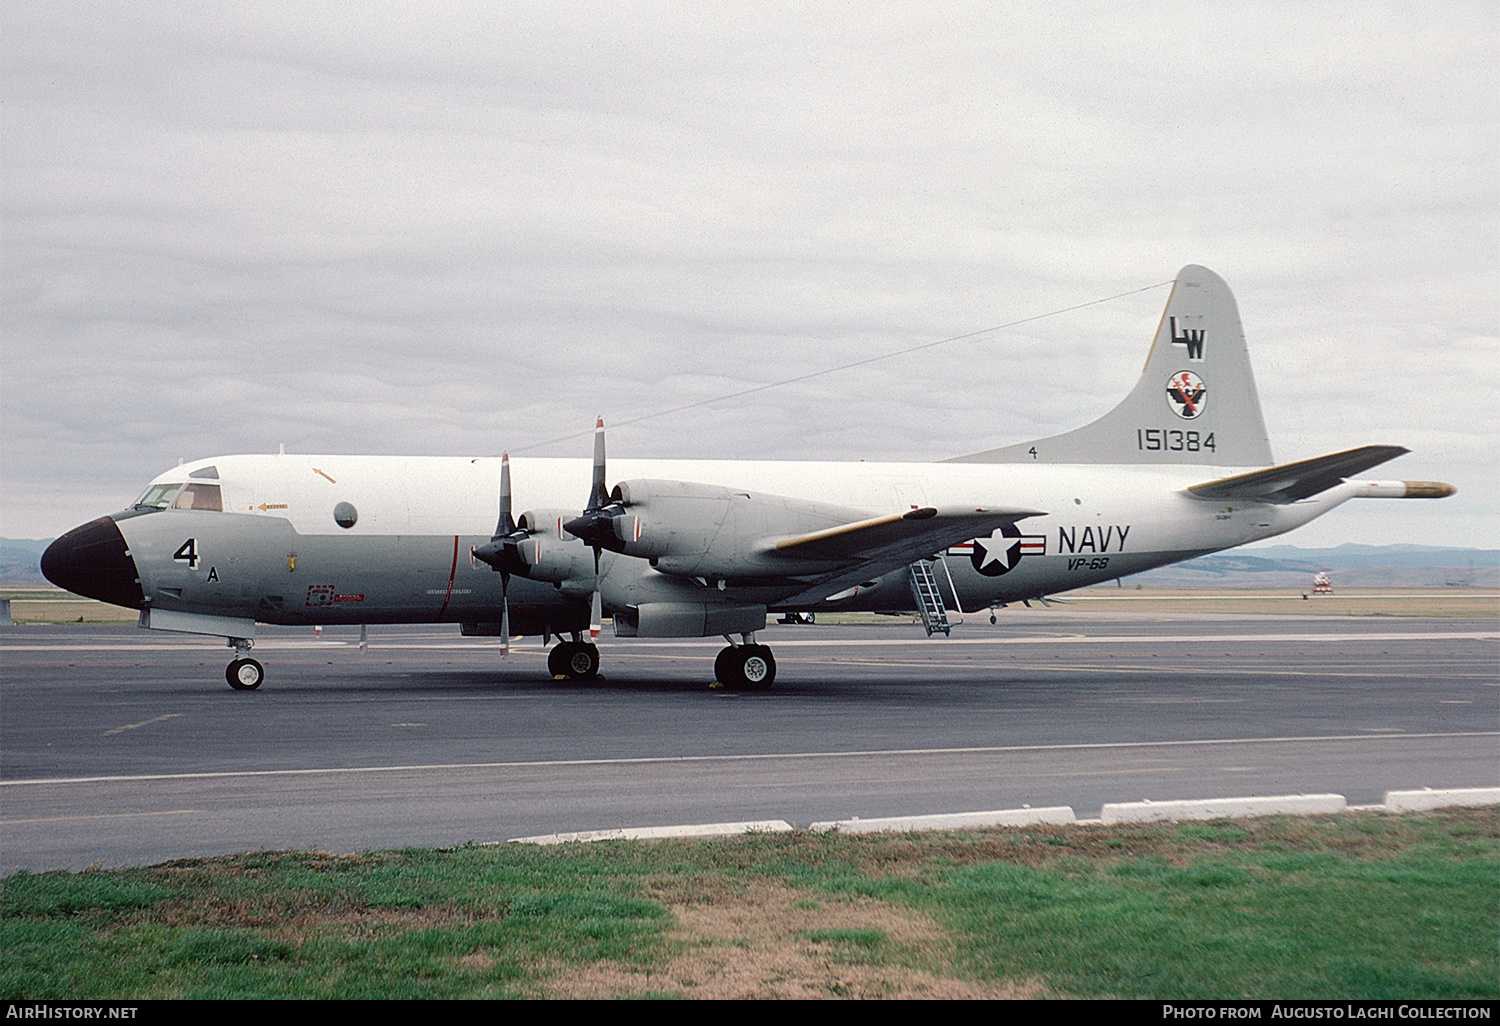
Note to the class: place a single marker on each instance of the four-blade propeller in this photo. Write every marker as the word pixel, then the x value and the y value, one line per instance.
pixel 595 527
pixel 503 552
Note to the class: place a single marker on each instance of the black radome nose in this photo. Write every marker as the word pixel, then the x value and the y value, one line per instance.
pixel 93 561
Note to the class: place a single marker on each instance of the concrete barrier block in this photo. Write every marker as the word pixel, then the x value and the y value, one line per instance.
pixel 1222 808
pixel 1442 798
pixel 765 826
pixel 949 821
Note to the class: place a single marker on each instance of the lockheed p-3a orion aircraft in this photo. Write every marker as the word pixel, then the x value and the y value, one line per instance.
pixel 679 548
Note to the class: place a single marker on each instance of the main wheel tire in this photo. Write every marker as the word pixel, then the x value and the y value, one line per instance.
pixel 749 668
pixel 557 659
pixel 244 674
pixel 581 661
pixel 758 668
pixel 721 665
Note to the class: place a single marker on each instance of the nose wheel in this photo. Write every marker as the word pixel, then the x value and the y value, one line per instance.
pixel 245 674
pixel 575 660
pixel 745 668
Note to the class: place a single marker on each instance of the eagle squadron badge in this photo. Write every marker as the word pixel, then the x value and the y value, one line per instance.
pixel 1186 394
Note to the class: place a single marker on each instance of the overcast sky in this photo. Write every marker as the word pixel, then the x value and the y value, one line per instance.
pixel 450 228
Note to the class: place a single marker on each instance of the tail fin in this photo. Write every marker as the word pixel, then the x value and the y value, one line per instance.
pixel 1195 402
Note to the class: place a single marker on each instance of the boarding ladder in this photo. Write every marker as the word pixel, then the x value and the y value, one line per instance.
pixel 924 589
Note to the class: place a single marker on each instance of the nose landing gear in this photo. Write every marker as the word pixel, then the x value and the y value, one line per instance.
pixel 243 673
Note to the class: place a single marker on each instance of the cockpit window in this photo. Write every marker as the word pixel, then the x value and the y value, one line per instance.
pixel 176 495
pixel 200 496
pixel 211 473
pixel 159 496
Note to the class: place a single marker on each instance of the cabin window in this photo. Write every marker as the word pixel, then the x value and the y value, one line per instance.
pixel 159 496
pixel 200 496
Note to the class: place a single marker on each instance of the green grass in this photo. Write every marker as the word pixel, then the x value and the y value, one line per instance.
pixel 1357 906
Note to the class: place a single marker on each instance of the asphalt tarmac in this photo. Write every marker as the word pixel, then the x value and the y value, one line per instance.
pixel 123 747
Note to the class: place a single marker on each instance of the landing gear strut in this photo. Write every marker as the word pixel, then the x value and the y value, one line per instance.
pixel 243 673
pixel 575 660
pixel 747 667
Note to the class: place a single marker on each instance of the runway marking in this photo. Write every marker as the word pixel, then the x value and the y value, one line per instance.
pixel 143 723
pixel 1172 700
pixel 931 777
pixel 107 815
pixel 1103 639
pixel 1362 595
pixel 767 757
pixel 1160 669
pixel 1113 639
pixel 1110 772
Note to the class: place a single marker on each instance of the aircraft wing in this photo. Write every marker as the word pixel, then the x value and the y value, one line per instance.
pixel 1292 481
pixel 902 537
pixel 871 548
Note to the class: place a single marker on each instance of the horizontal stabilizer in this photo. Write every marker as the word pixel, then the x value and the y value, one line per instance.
pixel 901 537
pixel 1292 481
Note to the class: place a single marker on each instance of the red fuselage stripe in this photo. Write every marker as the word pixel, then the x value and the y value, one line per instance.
pixel 452 571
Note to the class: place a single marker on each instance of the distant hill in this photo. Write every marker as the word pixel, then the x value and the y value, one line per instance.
pixel 20 560
pixel 1350 565
pixel 1276 566
pixel 1350 554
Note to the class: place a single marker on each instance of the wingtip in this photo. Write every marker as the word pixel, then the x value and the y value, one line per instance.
pixel 1428 489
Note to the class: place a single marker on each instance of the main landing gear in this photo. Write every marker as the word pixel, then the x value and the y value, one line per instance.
pixel 243 673
pixel 575 660
pixel 745 667
pixel 740 667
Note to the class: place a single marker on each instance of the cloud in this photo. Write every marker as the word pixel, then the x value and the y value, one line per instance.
pixel 459 228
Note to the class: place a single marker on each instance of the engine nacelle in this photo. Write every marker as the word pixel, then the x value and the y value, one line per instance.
pixel 699 530
pixel 688 620
pixel 552 554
